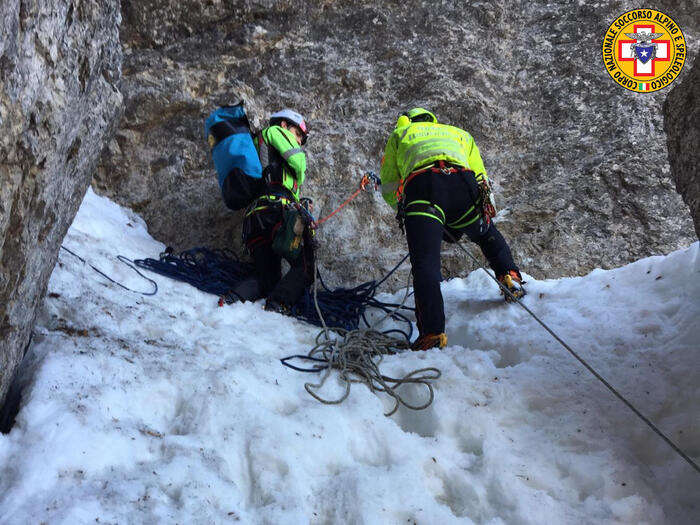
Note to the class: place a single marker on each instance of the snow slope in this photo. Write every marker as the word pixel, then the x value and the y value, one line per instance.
pixel 171 409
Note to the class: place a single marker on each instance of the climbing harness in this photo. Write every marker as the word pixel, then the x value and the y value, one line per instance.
pixel 588 367
pixel 264 202
pixel 439 167
pixel 287 234
pixel 422 207
pixel 123 260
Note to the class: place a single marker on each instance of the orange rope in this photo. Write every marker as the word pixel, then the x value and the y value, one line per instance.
pixel 363 185
pixel 321 221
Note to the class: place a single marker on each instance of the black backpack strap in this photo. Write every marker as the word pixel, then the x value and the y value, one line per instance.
pixel 224 129
pixel 263 149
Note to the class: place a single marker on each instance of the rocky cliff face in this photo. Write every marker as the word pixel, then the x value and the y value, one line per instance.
pixel 579 163
pixel 59 68
pixel 682 120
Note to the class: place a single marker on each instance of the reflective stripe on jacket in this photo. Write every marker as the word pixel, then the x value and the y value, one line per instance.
pixel 292 165
pixel 421 144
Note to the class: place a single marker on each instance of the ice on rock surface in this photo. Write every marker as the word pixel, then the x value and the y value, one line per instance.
pixel 171 409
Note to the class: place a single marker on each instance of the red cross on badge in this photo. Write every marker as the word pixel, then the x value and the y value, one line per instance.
pixel 645 50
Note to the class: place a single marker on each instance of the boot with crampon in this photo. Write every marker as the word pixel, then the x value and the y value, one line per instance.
pixel 428 341
pixel 513 281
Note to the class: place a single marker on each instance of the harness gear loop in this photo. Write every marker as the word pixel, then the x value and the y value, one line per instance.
pixel 401 215
pixel 444 169
pixel 488 209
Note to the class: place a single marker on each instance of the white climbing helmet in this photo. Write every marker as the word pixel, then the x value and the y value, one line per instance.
pixel 293 117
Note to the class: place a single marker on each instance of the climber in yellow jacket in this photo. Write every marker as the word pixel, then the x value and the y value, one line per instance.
pixel 433 174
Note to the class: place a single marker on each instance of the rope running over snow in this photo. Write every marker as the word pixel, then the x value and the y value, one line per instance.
pixel 600 378
pixel 219 272
pixel 357 354
pixel 125 261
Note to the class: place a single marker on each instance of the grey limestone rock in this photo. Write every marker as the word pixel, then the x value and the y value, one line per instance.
pixel 60 63
pixel 579 164
pixel 682 112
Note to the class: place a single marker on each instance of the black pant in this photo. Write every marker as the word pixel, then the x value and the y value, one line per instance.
pixel 260 228
pixel 454 193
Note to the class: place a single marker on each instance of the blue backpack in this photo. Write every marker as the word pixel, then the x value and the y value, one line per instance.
pixel 235 156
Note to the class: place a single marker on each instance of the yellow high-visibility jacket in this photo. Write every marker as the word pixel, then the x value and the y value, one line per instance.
pixel 420 144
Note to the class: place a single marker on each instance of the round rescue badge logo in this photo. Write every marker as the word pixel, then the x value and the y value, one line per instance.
pixel 644 50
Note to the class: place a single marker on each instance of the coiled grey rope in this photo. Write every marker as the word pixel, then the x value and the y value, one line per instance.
pixel 357 354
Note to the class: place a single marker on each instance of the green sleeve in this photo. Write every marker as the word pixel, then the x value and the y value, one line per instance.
pixel 475 162
pixel 285 143
pixel 389 172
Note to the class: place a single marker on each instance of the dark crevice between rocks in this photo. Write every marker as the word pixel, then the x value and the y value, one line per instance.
pixel 10 408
